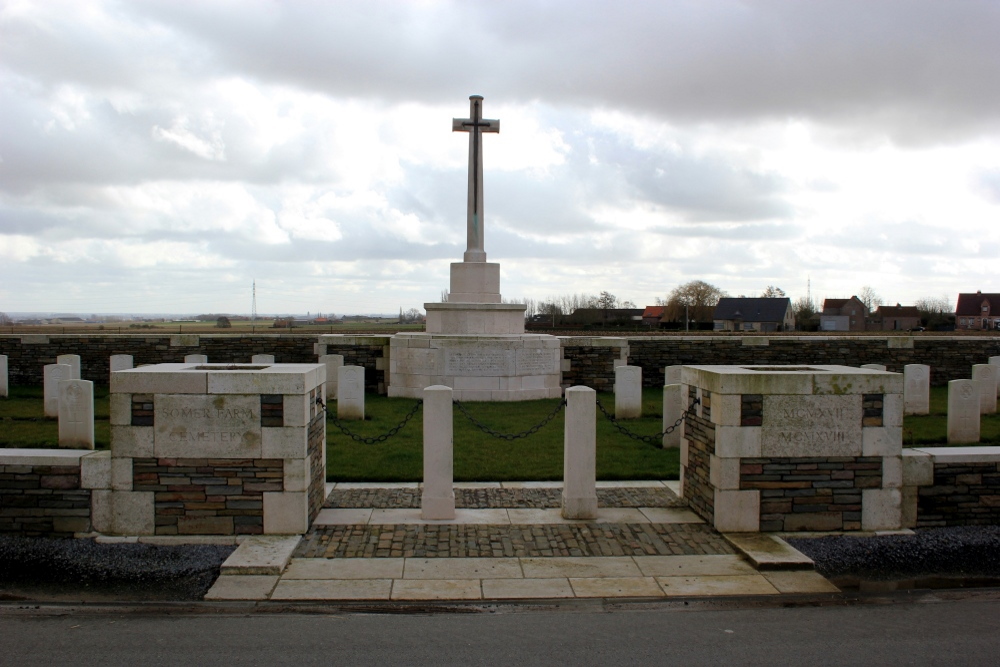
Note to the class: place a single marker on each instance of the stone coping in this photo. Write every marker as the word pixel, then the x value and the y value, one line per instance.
pixel 799 379
pixel 43 457
pixel 961 454
pixel 520 307
pixel 219 378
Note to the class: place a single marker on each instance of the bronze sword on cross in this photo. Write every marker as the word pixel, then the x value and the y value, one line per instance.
pixel 475 125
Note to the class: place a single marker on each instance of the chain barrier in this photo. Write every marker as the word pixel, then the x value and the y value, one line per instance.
pixel 372 440
pixel 509 436
pixel 649 439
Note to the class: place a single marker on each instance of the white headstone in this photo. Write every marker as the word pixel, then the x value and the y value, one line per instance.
pixel 333 364
pixel 995 361
pixel 916 389
pixel 121 362
pixel 51 375
pixel 4 386
pixel 963 412
pixel 195 359
pixel 350 392
pixel 985 376
pixel 76 414
pixel 874 367
pixel 262 359
pixel 579 499
pixel 438 498
pixel 672 410
pixel 628 392
pixel 73 361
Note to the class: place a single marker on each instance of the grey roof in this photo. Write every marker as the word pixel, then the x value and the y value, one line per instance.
pixel 752 310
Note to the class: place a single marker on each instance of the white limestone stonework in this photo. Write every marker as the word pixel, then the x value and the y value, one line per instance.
pixel 579 499
pixel 672 375
pixel 672 409
pixel 52 374
pixel 985 377
pixel 262 359
pixel 628 392
pixel 963 412
pixel 995 361
pixel 437 501
pixel 120 362
pixel 253 435
pixel 351 392
pixel 195 359
pixel 4 378
pixel 333 363
pixel 73 361
pixel 478 368
pixel 753 424
pixel 916 389
pixel 873 367
pixel 76 414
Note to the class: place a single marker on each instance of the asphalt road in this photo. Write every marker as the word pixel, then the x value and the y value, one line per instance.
pixel 923 630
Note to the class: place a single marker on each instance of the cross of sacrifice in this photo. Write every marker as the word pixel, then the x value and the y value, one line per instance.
pixel 475 125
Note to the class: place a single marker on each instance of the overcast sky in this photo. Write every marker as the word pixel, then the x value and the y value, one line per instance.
pixel 158 156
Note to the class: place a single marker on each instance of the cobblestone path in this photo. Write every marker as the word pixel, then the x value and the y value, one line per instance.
pixel 484 498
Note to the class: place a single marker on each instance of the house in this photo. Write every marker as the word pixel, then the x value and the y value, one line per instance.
pixel 977 311
pixel 754 314
pixel 604 316
pixel 652 315
pixel 895 318
pixel 843 315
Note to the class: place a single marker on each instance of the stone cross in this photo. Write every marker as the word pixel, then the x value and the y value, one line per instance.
pixel 475 125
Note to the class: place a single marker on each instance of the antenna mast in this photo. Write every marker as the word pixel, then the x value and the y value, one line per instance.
pixel 253 310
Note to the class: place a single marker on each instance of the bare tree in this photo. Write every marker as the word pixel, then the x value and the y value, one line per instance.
pixel 870 297
pixel 5 320
pixel 696 299
pixel 805 314
pixel 773 292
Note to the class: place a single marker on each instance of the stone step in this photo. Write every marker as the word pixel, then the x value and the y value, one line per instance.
pixel 260 555
pixel 769 552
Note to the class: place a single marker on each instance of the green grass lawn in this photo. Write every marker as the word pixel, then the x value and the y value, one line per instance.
pixel 478 456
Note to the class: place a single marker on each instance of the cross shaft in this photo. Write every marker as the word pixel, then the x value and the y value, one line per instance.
pixel 475 125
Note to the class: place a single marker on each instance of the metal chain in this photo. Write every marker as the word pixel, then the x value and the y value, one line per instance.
pixel 510 436
pixel 378 438
pixel 649 439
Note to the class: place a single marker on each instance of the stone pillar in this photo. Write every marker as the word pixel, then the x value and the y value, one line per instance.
pixel 438 498
pixel 4 387
pixel 672 375
pixel 963 412
pixel 51 375
pixel 672 409
pixel 985 377
pixel 874 367
pixel 579 500
pixel 351 392
pixel 73 361
pixel 195 359
pixel 262 359
pixel 916 389
pixel 628 392
pixel 120 362
pixel 333 362
pixel 995 361
pixel 76 414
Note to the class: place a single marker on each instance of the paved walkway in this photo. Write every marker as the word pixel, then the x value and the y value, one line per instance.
pixel 508 541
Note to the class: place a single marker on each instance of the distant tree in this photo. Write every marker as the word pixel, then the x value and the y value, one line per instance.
pixel 806 317
pixel 607 301
pixel 697 297
pixel 5 320
pixel 627 304
pixel 223 323
pixel 410 316
pixel 773 292
pixel 935 312
pixel 870 298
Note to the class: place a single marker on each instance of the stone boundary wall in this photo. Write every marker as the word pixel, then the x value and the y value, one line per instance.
pixel 587 360
pixel 951 486
pixel 40 493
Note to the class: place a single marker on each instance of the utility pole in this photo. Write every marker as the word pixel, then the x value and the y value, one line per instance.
pixel 253 309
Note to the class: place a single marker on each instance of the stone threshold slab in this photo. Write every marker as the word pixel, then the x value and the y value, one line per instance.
pixel 261 555
pixel 769 552
pixel 499 516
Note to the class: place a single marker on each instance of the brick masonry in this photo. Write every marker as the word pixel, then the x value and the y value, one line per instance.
pixel 42 501
pixel 963 494
pixel 208 496
pixel 316 449
pixel 811 493
pixel 700 435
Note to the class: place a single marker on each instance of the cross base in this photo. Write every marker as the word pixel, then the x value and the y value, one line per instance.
pixel 474 256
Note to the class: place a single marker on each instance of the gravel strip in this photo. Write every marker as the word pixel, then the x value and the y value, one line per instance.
pixel 83 568
pixel 969 551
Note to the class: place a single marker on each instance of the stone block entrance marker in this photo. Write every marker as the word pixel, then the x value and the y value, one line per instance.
pixel 438 498
pixel 916 389
pixel 579 499
pixel 76 414
pixel 51 375
pixel 963 412
pixel 351 392
pixel 628 392
pixel 985 377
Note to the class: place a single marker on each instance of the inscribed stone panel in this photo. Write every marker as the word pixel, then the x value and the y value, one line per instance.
pixel 811 426
pixel 219 426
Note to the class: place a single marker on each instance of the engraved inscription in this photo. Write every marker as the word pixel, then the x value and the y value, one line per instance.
pixel 811 426
pixel 225 426
pixel 479 362
pixel 536 362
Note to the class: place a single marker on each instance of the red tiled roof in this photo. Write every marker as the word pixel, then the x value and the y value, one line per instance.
pixel 653 311
pixel 971 304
